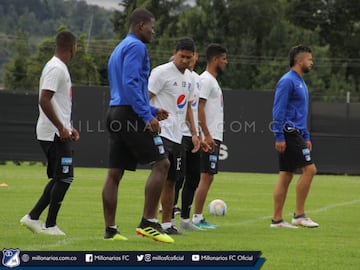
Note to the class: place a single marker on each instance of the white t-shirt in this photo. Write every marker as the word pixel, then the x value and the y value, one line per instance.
pixel 214 108
pixel 172 90
pixel 55 77
pixel 194 102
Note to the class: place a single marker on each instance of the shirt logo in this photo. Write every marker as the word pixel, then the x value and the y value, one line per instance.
pixel 181 101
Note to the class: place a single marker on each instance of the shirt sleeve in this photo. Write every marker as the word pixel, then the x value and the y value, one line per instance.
pixel 282 91
pixel 206 88
pixel 156 81
pixel 132 75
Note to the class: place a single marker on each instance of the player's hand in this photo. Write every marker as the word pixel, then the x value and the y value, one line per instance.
pixel 205 147
pixel 280 146
pixel 208 139
pixel 196 143
pixel 75 135
pixel 308 145
pixel 162 114
pixel 65 134
pixel 153 126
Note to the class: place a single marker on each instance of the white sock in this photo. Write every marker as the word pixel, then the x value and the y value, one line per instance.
pixel 153 220
pixel 166 225
pixel 187 220
pixel 197 217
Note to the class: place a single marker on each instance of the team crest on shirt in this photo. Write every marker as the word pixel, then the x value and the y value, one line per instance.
pixel 11 257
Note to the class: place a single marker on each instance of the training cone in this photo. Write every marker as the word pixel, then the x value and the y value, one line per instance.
pixel 4 185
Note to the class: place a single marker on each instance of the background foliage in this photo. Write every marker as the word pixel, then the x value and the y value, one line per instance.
pixel 258 35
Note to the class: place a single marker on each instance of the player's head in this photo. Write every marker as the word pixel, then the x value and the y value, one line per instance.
pixel 66 44
pixel 301 56
pixel 142 24
pixel 216 57
pixel 183 53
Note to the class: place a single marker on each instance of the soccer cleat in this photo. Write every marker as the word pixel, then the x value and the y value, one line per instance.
pixel 34 225
pixel 304 221
pixel 114 234
pixel 154 231
pixel 203 224
pixel 177 210
pixel 189 226
pixel 172 230
pixel 282 224
pixel 54 230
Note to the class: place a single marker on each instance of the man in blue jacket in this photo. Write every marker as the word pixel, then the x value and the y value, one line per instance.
pixel 293 142
pixel 133 127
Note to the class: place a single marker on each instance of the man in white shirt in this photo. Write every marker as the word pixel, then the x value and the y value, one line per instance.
pixel 55 133
pixel 211 121
pixel 170 88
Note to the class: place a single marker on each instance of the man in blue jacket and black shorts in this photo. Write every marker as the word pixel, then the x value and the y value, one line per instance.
pixel 292 137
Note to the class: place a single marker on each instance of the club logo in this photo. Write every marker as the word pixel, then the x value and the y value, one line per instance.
pixel 11 257
pixel 181 101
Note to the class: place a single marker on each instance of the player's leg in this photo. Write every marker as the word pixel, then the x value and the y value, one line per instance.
pixel 168 193
pixel 303 187
pixel 280 193
pixel 63 178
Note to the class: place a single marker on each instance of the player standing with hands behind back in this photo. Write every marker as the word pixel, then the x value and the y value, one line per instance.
pixel 55 133
pixel 211 121
pixel 293 143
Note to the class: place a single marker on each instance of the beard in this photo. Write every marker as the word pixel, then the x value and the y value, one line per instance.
pixel 219 71
pixel 306 69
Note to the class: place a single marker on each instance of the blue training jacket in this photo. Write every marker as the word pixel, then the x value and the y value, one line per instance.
pixel 290 106
pixel 128 73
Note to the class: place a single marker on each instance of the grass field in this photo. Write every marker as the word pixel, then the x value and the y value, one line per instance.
pixel 334 202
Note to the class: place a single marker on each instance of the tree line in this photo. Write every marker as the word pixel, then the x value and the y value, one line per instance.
pixel 258 35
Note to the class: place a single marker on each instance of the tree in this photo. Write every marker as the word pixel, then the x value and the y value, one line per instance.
pixel 14 72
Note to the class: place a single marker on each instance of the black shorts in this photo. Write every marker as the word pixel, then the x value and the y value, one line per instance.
pixel 209 161
pixel 174 154
pixel 296 154
pixel 130 142
pixel 190 162
pixel 59 157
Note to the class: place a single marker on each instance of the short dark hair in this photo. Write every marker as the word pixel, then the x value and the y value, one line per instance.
pixel 185 44
pixel 140 15
pixel 65 40
pixel 214 50
pixel 295 51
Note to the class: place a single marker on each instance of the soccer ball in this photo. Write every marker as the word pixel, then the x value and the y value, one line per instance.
pixel 217 208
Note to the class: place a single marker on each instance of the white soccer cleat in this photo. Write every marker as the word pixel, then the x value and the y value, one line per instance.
pixel 189 226
pixel 55 230
pixel 282 224
pixel 305 222
pixel 34 225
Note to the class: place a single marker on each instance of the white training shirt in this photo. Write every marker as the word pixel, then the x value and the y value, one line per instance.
pixel 172 90
pixel 55 77
pixel 214 107
pixel 194 102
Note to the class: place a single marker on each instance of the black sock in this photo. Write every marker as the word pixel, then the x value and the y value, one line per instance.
pixel 186 201
pixel 57 195
pixel 276 222
pixel 43 202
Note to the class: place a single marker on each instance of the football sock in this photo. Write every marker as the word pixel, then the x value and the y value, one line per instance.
pixel 166 225
pixel 43 202
pixel 197 218
pixel 57 195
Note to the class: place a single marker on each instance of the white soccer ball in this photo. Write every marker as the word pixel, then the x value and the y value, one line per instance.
pixel 217 208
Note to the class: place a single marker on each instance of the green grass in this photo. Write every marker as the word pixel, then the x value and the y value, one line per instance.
pixel 334 202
